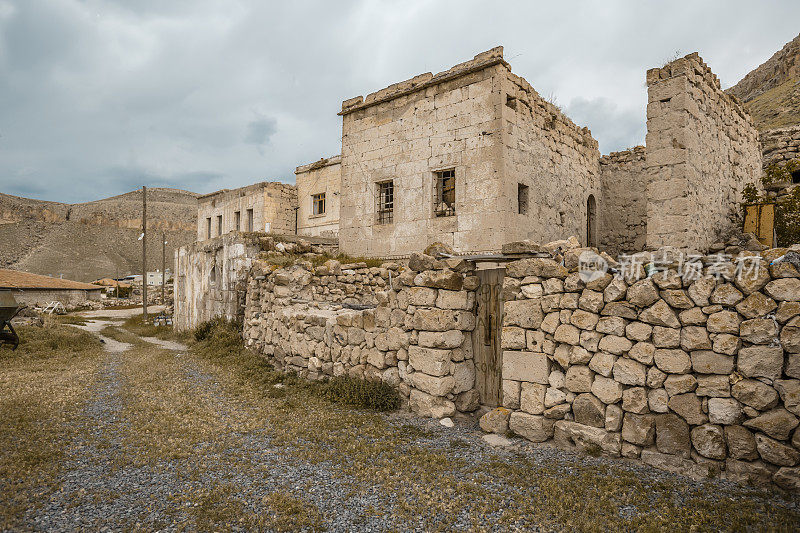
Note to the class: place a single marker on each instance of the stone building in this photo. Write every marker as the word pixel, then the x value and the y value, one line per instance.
pixel 683 189
pixel 38 291
pixel 266 207
pixel 471 157
pixel 318 193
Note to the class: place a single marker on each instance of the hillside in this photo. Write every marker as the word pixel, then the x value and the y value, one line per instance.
pixel 94 239
pixel 771 92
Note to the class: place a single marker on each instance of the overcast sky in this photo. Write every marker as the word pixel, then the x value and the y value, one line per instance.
pixel 98 97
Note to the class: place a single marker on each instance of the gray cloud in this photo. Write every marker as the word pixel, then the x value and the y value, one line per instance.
pixel 101 96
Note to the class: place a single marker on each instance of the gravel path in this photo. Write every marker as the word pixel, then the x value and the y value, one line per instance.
pixel 244 479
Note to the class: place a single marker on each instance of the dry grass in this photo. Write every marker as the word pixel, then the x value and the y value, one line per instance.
pixel 137 326
pixel 44 384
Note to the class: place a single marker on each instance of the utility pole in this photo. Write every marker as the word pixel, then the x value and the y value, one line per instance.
pixel 144 253
pixel 163 267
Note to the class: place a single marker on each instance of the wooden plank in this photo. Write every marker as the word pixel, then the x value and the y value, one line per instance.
pixel 486 339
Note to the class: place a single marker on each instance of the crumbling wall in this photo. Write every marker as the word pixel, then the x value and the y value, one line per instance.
pixel 780 145
pixel 321 177
pixel 702 149
pixel 409 327
pixel 697 373
pixel 558 162
pixel 624 212
pixel 211 280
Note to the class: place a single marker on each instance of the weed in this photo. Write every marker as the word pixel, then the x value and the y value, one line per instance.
pixel 290 513
pixel 361 393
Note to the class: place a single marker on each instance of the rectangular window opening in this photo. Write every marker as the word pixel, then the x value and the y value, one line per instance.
pixel 522 199
pixel 249 220
pixel 208 227
pixel 318 204
pixel 385 198
pixel 237 220
pixel 219 225
pixel 444 204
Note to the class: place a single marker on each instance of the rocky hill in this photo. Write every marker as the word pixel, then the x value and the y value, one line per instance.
pixel 771 92
pixel 94 239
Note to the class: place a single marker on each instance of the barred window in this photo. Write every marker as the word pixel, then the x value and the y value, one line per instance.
pixel 385 198
pixel 444 204
pixel 318 204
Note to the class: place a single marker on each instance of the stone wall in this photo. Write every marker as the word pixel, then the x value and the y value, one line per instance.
pixel 70 298
pixel 321 177
pixel 273 205
pixel 698 376
pixel 780 145
pixel 702 149
pixel 409 327
pixel 211 278
pixel 556 159
pixel 624 212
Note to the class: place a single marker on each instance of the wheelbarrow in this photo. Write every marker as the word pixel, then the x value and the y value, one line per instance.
pixel 8 310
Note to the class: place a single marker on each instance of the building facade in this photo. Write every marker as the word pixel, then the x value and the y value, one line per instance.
pixel 264 207
pixel 318 192
pixel 470 157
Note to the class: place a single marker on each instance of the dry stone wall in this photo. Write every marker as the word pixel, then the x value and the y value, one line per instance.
pixel 780 145
pixel 697 373
pixel 407 326
pixel 702 149
pixel 624 206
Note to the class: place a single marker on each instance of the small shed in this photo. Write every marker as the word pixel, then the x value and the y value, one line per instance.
pixel 37 290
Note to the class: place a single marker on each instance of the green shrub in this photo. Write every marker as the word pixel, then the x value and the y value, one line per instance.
pixel 361 393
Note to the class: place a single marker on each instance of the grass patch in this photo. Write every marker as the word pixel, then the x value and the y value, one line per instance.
pixel 290 513
pixel 138 326
pixel 44 384
pixel 360 393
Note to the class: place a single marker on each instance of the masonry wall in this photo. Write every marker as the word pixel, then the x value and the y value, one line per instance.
pixel 702 149
pixel 210 280
pixel 409 327
pixel 272 204
pixel 323 176
pixel 68 297
pixel 558 162
pixel 699 376
pixel 780 145
pixel 624 204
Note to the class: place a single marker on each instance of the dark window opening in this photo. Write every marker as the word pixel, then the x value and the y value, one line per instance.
pixel 237 220
pixel 249 220
pixel 796 176
pixel 318 204
pixel 445 201
pixel 208 227
pixel 511 102
pixel 522 199
pixel 386 202
pixel 219 225
pixel 591 221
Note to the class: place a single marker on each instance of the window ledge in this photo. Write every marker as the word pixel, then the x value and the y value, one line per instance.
pixel 317 216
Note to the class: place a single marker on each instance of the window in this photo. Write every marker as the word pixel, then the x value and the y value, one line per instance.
pixel 444 204
pixel 208 227
pixel 796 176
pixel 591 221
pixel 522 199
pixel 318 204
pixel 237 220
pixel 219 225
pixel 249 220
pixel 386 202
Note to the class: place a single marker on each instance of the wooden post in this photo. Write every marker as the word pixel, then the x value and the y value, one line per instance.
pixel 163 267
pixel 144 253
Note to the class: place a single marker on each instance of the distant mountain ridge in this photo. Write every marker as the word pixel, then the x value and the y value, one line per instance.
pixel 89 240
pixel 771 92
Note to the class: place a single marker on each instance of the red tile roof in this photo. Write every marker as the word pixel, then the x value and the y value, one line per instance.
pixel 15 279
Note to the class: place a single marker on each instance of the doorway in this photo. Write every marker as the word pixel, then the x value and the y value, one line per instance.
pixel 591 221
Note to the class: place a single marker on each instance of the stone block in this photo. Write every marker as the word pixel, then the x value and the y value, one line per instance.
pixel 526 366
pixel 532 427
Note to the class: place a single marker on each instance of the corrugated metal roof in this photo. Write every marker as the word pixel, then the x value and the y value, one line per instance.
pixel 15 279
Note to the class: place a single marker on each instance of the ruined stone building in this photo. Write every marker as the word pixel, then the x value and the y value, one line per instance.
pixel 265 207
pixel 318 191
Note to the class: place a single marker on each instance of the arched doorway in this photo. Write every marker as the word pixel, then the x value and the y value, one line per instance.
pixel 591 221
